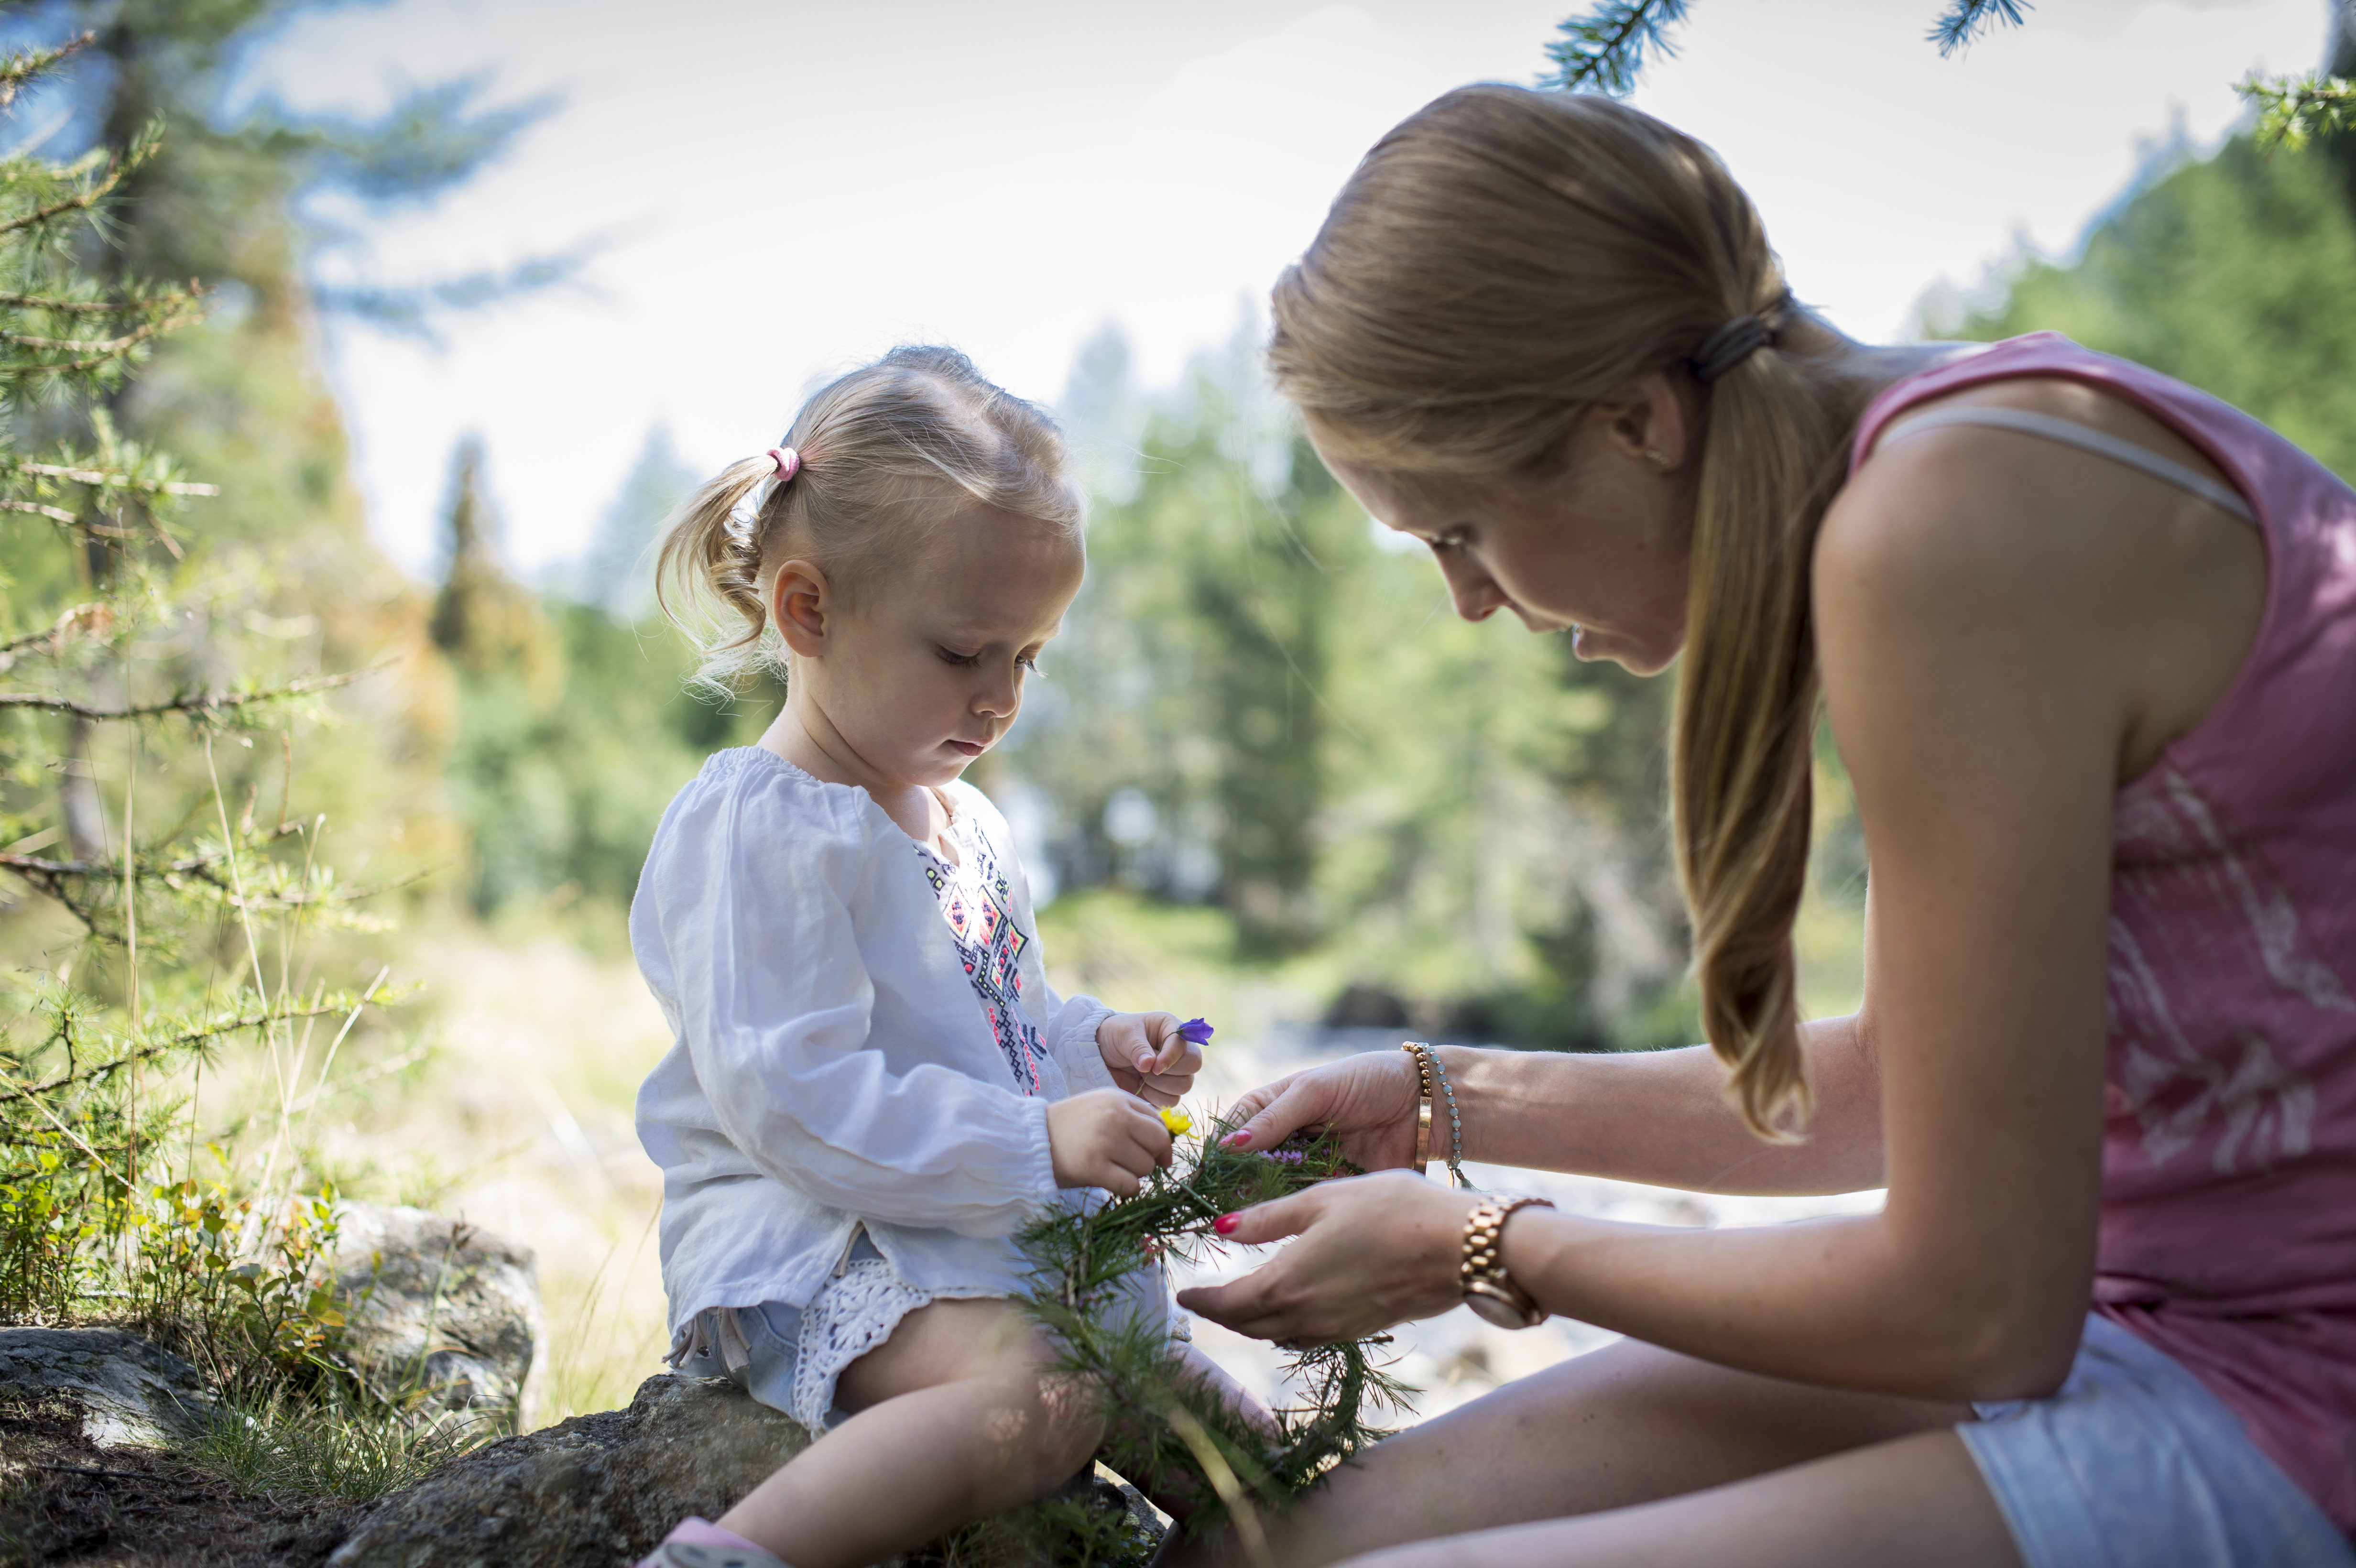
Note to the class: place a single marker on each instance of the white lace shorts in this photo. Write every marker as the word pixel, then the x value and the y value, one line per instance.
pixel 790 1357
pixel 2134 1464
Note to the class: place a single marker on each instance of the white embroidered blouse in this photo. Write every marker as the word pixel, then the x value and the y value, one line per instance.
pixel 832 1062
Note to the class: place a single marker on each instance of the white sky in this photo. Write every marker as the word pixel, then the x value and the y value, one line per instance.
pixel 791 188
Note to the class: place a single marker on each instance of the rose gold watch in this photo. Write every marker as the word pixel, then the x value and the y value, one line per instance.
pixel 1489 1290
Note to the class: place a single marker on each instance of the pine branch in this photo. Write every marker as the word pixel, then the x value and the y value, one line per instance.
pixel 1162 1425
pixel 1604 51
pixel 325 1005
pixel 2295 110
pixel 208 705
pixel 1965 21
pixel 20 71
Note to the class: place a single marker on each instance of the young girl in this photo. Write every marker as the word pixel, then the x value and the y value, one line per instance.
pixel 871 1087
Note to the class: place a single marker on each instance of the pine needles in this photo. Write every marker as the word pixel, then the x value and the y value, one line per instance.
pixel 1165 1430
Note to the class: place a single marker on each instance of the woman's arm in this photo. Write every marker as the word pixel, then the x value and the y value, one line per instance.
pixel 1662 1116
pixel 1981 654
pixel 1659 1116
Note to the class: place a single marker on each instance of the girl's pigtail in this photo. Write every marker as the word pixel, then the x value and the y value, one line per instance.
pixel 710 558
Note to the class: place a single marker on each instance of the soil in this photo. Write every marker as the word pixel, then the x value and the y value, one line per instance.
pixel 66 1503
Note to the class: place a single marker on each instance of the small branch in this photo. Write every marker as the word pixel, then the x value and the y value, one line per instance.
pixel 205 703
pixel 114 481
pixel 55 514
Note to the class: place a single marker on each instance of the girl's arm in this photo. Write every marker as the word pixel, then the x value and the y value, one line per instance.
pixel 754 917
pixel 1977 642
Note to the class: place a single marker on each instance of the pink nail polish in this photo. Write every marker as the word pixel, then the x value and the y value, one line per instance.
pixel 1225 1224
pixel 1237 1140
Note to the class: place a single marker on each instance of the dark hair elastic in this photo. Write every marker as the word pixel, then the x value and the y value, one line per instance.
pixel 1729 346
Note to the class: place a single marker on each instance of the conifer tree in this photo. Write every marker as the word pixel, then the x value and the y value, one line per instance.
pixel 126 667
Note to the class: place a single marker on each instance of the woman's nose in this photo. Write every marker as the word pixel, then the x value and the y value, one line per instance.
pixel 1476 594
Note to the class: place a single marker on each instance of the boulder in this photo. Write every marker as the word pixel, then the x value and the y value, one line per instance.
pixel 590 1493
pixel 599 1492
pixel 437 1308
pixel 128 1391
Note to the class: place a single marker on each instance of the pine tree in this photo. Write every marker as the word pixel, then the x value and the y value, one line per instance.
pixel 130 670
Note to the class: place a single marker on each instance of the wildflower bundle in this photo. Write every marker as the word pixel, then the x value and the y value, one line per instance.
pixel 1160 1425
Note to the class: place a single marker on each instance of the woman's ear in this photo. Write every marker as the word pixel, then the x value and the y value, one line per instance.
pixel 802 607
pixel 1647 421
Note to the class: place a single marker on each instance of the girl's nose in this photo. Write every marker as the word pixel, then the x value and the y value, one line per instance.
pixel 999 698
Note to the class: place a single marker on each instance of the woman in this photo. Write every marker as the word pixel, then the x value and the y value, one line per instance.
pixel 2087 641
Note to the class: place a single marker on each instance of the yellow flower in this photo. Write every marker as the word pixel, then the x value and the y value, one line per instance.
pixel 1177 1121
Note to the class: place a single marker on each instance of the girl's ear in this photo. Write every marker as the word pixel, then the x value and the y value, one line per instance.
pixel 802 607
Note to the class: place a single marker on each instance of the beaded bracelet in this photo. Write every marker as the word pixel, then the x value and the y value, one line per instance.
pixel 1434 1073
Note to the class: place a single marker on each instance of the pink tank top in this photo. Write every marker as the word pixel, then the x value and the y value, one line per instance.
pixel 2228 1232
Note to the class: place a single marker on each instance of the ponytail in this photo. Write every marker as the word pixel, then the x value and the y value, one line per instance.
pixel 1741 768
pixel 708 556
pixel 1501 262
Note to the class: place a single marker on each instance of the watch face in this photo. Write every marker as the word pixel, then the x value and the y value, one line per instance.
pixel 1491 1306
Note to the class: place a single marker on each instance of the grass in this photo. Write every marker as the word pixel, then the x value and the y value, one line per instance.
pixel 335 1445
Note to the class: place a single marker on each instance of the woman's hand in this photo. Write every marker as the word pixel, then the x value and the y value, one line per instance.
pixel 1148 1056
pixel 1105 1138
pixel 1373 1250
pixel 1366 1101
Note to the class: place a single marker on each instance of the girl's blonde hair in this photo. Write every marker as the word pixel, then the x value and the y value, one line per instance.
pixel 886 451
pixel 1499 263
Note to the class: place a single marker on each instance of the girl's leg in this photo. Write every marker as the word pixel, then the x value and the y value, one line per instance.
pixel 1624 1425
pixel 954 1422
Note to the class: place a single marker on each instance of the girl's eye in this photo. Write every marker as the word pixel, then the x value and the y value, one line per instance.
pixel 1453 541
pixel 1029 662
pixel 964 661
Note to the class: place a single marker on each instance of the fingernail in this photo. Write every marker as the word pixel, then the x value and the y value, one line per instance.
pixel 1236 1140
pixel 1226 1224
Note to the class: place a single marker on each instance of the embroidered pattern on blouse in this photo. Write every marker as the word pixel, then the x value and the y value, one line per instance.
pixel 978 902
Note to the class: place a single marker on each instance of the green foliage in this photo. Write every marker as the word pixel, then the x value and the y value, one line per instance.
pixel 1160 1423
pixel 2295 110
pixel 1604 51
pixel 574 726
pixel 1257 704
pixel 2237 274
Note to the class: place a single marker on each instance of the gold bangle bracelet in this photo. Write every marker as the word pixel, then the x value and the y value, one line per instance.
pixel 1423 1105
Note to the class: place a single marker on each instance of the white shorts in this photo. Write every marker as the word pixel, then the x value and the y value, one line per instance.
pixel 2134 1464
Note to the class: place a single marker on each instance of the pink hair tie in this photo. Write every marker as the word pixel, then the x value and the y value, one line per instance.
pixel 744 517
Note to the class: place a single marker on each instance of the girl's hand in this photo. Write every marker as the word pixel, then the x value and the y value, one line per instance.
pixel 1366 1101
pixel 1373 1250
pixel 1148 1056
pixel 1105 1138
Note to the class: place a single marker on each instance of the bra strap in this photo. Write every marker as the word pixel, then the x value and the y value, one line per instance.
pixel 2070 433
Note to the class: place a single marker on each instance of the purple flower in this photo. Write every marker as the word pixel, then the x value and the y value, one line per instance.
pixel 1195 1031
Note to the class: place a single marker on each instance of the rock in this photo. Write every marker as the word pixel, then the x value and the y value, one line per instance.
pixel 601 1491
pixel 437 1306
pixel 590 1493
pixel 128 1391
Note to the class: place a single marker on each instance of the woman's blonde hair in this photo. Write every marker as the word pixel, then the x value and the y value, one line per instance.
pixel 1499 263
pixel 886 451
